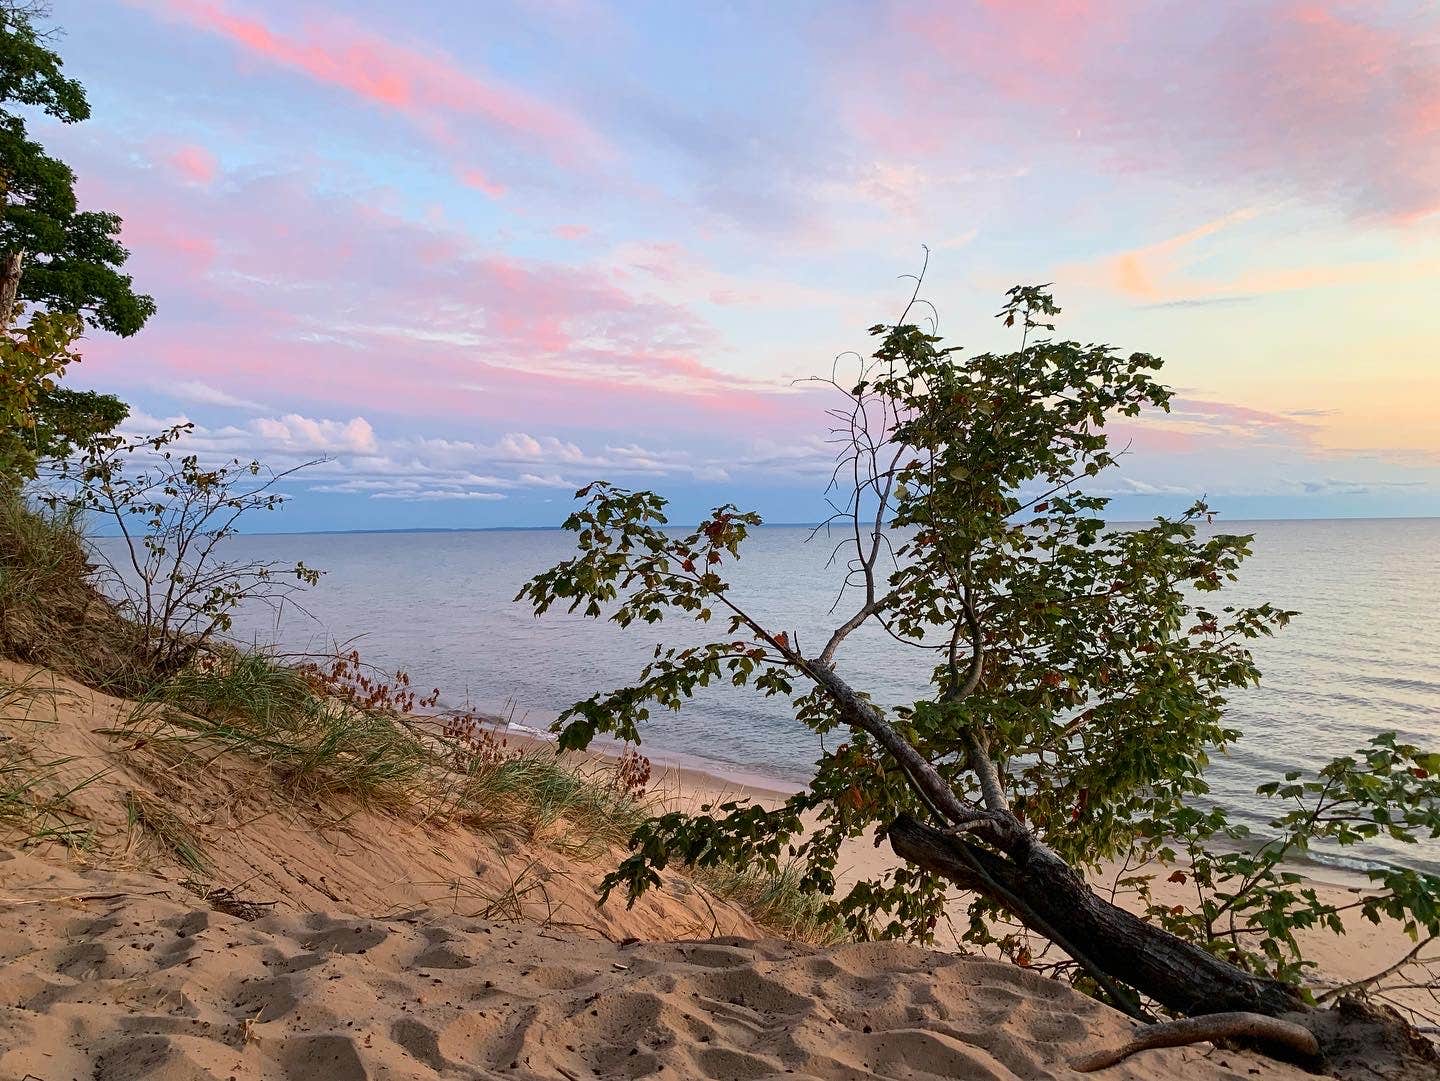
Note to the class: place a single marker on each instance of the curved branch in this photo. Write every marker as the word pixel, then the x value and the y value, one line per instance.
pixel 1208 1028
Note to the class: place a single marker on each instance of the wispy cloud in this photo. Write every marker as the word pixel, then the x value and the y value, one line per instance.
pixel 199 393
pixel 421 84
pixel 1327 100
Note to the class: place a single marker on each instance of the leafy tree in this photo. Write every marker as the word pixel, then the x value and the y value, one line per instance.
pixel 1079 671
pixel 51 253
pixel 65 262
pixel 40 419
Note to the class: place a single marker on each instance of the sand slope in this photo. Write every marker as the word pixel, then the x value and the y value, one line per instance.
pixel 271 846
pixel 121 976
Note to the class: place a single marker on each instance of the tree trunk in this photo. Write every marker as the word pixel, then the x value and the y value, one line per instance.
pixel 1173 972
pixel 10 264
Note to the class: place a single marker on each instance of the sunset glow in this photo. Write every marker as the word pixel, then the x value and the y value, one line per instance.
pixel 480 258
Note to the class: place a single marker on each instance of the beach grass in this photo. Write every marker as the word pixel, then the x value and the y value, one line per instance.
pixel 150 819
pixel 311 746
pixel 35 795
pixel 51 612
pixel 333 752
pixel 775 901
pixel 336 752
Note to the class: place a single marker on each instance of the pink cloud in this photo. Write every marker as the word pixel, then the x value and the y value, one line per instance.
pixel 1146 273
pixel 571 232
pixel 1157 272
pixel 1334 102
pixel 425 86
pixel 300 299
pixel 193 163
pixel 475 178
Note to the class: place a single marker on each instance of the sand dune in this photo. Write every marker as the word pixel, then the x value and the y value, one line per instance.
pixel 124 976
pixel 269 844
pixel 388 948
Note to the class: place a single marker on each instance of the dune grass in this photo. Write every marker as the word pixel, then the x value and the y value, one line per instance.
pixel 42 558
pixel 545 797
pixel 334 752
pixel 51 613
pixel 775 901
pixel 35 802
pixel 249 704
pixel 150 819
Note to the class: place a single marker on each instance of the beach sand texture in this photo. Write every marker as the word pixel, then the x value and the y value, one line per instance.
pixel 369 947
pixel 120 977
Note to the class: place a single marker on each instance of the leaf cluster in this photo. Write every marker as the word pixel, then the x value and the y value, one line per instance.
pixel 1249 906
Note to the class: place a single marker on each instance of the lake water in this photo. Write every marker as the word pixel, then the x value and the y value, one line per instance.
pixel 1363 657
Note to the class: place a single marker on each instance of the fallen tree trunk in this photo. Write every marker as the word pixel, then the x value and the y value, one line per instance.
pixel 1179 975
pixel 1354 1039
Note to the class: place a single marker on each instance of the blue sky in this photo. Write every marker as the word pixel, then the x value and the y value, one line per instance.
pixel 477 255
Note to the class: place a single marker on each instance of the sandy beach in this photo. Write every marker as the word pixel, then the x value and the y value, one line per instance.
pixel 120 977
pixel 370 947
pixel 1360 952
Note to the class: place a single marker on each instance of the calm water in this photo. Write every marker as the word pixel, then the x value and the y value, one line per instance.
pixel 1363 657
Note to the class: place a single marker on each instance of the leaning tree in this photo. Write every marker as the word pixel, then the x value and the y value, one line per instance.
pixel 1078 679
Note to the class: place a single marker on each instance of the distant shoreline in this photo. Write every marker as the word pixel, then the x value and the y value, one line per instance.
pixel 763 525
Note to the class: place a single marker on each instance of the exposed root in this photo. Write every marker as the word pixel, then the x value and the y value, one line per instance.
pixel 1215 1026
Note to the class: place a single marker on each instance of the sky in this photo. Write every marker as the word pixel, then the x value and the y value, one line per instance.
pixel 477 255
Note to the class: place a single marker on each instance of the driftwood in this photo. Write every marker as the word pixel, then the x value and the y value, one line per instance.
pixel 1272 1031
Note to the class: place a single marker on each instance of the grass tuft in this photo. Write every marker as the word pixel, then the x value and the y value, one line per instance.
pixel 317 747
pixel 775 901
pixel 35 802
pixel 148 818
pixel 535 792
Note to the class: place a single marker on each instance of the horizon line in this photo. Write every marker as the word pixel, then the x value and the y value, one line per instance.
pixel 762 525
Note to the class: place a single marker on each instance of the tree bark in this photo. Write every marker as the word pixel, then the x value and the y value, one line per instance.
pixel 10 267
pixel 1173 972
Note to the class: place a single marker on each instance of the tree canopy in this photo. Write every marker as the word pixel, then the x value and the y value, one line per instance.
pixel 65 264
pixel 65 259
